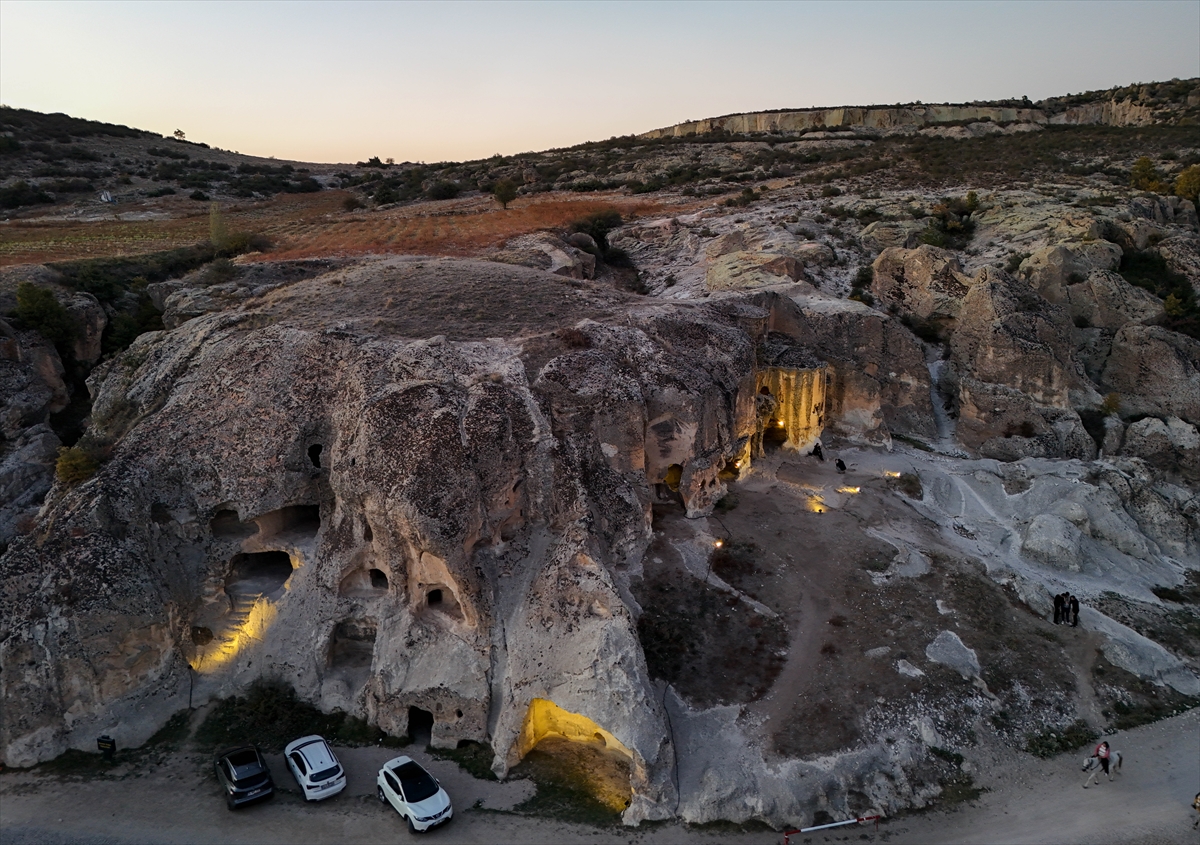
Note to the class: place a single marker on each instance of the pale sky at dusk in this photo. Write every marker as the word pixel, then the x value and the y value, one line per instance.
pixel 451 81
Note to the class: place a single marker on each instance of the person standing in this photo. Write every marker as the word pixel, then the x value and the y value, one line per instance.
pixel 1074 612
pixel 1058 608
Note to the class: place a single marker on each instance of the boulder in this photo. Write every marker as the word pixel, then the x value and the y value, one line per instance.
pixel 892 234
pixel 1009 335
pixel 1182 255
pixel 1171 445
pixel 90 320
pixel 1053 268
pixel 1054 541
pixel 1155 371
pixel 31 380
pixel 743 270
pixel 951 651
pixel 1105 300
pixel 926 283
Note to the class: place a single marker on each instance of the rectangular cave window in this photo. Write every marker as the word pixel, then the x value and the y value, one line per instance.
pixel 314 454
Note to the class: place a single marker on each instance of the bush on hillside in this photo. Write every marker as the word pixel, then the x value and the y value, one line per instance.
pixel 39 309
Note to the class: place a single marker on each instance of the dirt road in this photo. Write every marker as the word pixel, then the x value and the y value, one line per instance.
pixel 1030 800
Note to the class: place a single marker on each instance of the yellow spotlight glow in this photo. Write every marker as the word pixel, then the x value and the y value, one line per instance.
pixel 737 464
pixel 816 504
pixel 890 474
pixel 222 651
pixel 718 543
pixel 848 489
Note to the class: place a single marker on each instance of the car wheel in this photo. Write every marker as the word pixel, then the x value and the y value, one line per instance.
pixel 379 792
pixel 229 802
pixel 412 828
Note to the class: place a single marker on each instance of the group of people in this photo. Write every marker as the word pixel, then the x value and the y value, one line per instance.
pixel 1066 610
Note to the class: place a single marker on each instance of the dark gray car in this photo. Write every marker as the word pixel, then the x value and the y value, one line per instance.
pixel 244 776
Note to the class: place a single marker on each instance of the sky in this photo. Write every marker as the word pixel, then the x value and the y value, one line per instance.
pixel 451 81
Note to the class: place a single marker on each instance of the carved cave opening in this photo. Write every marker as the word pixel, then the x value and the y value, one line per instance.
pixel 352 645
pixel 573 752
pixel 364 583
pixel 258 573
pixel 314 455
pixel 420 726
pixel 440 598
pixel 299 521
pixel 227 525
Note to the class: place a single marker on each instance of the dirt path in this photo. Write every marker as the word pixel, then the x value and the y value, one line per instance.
pixel 1031 801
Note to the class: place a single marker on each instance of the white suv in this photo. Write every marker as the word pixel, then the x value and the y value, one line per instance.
pixel 315 767
pixel 414 793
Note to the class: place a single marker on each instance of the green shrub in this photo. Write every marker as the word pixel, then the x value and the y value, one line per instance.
pixel 39 309
pixel 1148 270
pixel 443 190
pixel 1145 176
pixel 22 193
pixel 199 196
pixel 598 225
pixel 74 465
pixel 1187 185
pixel 1050 743
pixel 271 714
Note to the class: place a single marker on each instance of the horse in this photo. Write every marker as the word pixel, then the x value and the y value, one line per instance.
pixel 1092 764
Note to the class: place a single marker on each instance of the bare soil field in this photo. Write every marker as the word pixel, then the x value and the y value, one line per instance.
pixel 303 225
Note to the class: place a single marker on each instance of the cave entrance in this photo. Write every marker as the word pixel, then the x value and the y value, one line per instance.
pixel 314 455
pixel 227 525
pixel 364 583
pixel 300 522
pixel 258 573
pixel 774 435
pixel 420 726
pixel 667 490
pixel 440 598
pixel 435 597
pixel 353 644
pixel 573 752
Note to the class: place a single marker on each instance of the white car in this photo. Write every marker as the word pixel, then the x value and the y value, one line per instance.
pixel 315 767
pixel 414 793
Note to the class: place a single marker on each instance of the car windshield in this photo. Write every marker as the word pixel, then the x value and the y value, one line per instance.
pixel 416 782
pixel 245 757
pixel 324 774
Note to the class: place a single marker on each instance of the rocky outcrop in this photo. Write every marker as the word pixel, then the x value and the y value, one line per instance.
pixel 1155 371
pixel 1181 253
pixel 546 251
pixel 1169 445
pixel 903 120
pixel 926 283
pixel 1105 300
pixel 1052 269
pixel 387 523
pixel 1018 381
pixel 878 381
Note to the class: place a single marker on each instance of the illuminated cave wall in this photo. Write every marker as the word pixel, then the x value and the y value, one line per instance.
pixel 799 402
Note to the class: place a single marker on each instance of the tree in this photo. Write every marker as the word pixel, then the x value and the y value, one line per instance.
pixel 505 192
pixel 1188 183
pixel 40 310
pixel 1144 176
pixel 180 135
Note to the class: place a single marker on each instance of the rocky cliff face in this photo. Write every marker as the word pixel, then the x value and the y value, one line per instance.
pixel 1106 111
pixel 385 523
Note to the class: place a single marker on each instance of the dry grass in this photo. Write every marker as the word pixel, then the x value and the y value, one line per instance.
pixel 306 226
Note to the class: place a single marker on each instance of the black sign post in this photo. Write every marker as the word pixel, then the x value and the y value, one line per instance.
pixel 107 746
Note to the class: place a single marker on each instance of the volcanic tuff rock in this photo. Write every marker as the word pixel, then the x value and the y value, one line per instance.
pixel 925 282
pixel 1156 372
pixel 399 523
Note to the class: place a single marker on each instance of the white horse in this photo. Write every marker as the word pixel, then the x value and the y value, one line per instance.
pixel 1092 764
